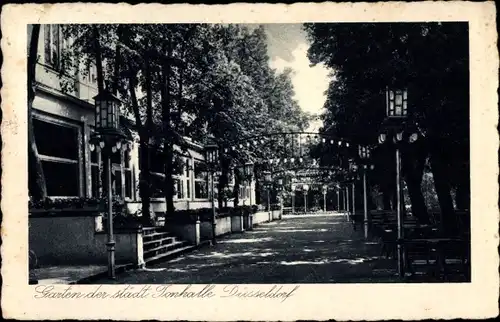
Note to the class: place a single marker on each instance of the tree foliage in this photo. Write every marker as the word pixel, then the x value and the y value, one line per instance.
pixel 431 61
pixel 208 82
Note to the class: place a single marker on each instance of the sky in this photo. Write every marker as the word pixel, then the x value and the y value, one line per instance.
pixel 287 47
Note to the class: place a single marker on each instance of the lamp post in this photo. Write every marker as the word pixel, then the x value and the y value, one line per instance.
pixel 280 191
pixel 344 201
pixel 293 187
pixel 364 154
pixel 305 188
pixel 211 159
pixel 267 184
pixel 354 168
pixel 395 126
pixel 347 201
pixel 338 199
pixel 325 189
pixel 353 198
pixel 247 172
pixel 108 138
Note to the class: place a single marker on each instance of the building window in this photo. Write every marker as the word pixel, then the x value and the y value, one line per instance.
pixel 156 170
pixel 90 76
pixel 179 188
pixel 216 187
pixel 241 193
pixel 60 158
pixel 157 185
pixel 122 174
pixel 95 161
pixel 127 168
pixel 244 192
pixel 52 42
pixel 122 183
pixel 200 180
pixel 182 180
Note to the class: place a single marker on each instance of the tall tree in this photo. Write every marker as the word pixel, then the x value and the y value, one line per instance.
pixel 431 59
pixel 37 185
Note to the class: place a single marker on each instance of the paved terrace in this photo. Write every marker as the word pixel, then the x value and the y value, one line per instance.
pixel 320 248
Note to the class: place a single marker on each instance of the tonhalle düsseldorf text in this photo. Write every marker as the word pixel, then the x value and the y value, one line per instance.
pixel 167 291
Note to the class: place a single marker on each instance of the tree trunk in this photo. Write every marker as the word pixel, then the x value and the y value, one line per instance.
pixel 169 182
pixel 413 169
pixel 145 182
pixel 146 155
pixel 100 87
pixel 223 180
pixel 236 190
pixel 98 60
pixel 167 131
pixel 387 198
pixel 256 179
pixel 443 190
pixel 144 136
pixel 462 198
pixel 37 185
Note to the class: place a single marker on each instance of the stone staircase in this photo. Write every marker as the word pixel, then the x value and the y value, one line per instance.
pixel 159 244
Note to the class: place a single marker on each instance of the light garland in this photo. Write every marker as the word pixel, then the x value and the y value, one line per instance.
pixel 300 137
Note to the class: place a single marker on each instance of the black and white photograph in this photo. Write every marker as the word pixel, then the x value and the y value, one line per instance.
pixel 203 153
pixel 276 154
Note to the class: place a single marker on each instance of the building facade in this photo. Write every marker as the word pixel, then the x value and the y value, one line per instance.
pixel 63 122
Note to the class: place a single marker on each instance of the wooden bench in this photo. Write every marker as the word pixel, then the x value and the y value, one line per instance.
pixel 438 257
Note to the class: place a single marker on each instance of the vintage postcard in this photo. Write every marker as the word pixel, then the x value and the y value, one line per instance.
pixel 250 161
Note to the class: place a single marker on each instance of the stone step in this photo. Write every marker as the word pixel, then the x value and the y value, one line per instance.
pixel 158 242
pixel 169 254
pixel 156 236
pixel 162 249
pixel 151 230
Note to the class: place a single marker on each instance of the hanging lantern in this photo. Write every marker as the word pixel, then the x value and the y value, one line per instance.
pixel 397 103
pixel 399 136
pixel 363 152
pixel 107 112
pixel 248 169
pixel 267 177
pixel 211 154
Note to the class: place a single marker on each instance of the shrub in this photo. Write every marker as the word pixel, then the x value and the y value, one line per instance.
pixel 72 203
